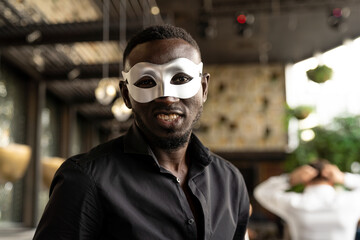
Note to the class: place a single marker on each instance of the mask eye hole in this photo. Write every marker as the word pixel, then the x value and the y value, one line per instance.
pixel 145 82
pixel 180 78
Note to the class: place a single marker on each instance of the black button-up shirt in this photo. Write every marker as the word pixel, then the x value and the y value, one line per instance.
pixel 118 190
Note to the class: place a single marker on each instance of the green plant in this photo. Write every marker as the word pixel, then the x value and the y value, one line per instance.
pixel 299 112
pixel 320 74
pixel 302 112
pixel 338 143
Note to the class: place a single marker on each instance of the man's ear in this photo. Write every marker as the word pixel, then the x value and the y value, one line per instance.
pixel 205 85
pixel 125 94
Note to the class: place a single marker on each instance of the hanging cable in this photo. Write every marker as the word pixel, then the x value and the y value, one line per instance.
pixel 106 90
pixel 119 109
pixel 106 17
pixel 122 30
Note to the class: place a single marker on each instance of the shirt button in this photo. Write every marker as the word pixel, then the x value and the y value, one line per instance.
pixel 190 221
pixel 178 180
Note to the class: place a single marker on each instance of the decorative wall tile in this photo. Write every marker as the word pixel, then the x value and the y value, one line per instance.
pixel 245 110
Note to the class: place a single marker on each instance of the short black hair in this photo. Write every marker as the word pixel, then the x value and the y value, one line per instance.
pixel 319 166
pixel 158 32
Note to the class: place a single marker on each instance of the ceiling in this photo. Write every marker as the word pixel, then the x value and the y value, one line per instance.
pixel 71 45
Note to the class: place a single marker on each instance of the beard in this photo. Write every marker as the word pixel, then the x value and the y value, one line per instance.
pixel 173 141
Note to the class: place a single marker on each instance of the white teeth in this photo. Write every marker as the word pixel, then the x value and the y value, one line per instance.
pixel 168 117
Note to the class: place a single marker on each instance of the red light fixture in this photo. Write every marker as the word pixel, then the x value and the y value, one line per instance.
pixel 241 18
pixel 244 24
pixel 337 18
pixel 337 12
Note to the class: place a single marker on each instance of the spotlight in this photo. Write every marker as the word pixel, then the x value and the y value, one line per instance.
pixel 337 18
pixel 241 18
pixel 208 27
pixel 244 22
pixel 155 10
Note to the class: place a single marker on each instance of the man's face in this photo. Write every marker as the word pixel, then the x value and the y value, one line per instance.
pixel 166 121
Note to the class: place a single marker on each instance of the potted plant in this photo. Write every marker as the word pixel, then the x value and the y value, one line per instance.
pixel 302 112
pixel 320 74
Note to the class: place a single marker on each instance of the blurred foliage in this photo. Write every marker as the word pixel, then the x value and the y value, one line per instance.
pixel 320 74
pixel 339 143
pixel 301 187
pixel 297 188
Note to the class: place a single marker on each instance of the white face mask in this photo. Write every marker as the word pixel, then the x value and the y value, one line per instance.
pixel 180 78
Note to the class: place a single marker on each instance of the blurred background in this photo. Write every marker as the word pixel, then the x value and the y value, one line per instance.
pixel 284 88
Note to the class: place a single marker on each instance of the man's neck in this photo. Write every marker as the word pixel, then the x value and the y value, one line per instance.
pixel 174 161
pixel 171 159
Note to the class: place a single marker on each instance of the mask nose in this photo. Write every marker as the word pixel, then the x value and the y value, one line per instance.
pixel 166 86
pixel 168 93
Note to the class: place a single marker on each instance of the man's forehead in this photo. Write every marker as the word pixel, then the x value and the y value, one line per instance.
pixel 162 51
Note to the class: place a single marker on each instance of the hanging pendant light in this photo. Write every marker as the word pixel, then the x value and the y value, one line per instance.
pixel 120 110
pixel 106 90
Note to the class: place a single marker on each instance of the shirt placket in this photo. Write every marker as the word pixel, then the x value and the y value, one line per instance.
pixel 189 219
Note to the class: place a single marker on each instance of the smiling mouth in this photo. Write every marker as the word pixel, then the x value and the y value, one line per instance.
pixel 168 117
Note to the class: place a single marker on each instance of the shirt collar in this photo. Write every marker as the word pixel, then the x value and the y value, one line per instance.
pixel 198 151
pixel 323 188
pixel 135 143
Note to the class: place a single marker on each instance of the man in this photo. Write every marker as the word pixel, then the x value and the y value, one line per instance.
pixel 157 181
pixel 319 213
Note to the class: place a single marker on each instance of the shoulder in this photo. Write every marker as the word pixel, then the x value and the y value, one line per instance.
pixel 213 161
pixel 98 155
pixel 224 166
pixel 103 150
pixel 85 166
pixel 352 181
pixel 224 175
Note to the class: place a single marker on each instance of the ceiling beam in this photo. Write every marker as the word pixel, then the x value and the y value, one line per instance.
pixel 84 72
pixel 28 70
pixel 275 6
pixel 61 33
